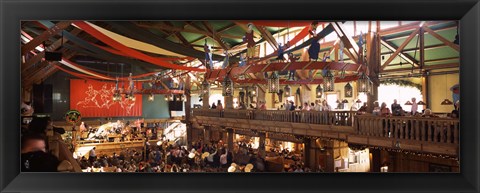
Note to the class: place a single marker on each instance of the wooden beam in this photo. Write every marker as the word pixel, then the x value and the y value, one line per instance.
pixel 45 36
pixel 245 28
pixel 430 67
pixel 215 36
pixel 442 39
pixel 178 29
pixel 406 57
pixel 28 64
pixel 350 45
pixel 268 37
pixel 400 48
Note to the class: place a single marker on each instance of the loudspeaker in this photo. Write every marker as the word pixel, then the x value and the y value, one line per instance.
pixel 53 56
pixel 42 98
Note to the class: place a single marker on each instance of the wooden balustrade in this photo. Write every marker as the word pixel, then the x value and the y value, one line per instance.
pixel 438 130
pixel 342 118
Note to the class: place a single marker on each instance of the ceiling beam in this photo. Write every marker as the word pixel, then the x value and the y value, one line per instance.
pixel 400 48
pixel 215 35
pixel 429 67
pixel 268 37
pixel 60 26
pixel 350 45
pixel 442 39
pixel 37 58
pixel 406 57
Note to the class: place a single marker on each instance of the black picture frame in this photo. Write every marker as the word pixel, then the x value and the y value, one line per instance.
pixel 13 11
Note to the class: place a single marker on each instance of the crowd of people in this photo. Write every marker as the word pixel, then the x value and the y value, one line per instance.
pixel 167 156
pixel 322 105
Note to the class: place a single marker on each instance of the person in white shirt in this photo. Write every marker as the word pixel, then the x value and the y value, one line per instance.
pixel 414 106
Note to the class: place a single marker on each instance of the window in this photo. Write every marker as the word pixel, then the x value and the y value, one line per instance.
pixel 332 99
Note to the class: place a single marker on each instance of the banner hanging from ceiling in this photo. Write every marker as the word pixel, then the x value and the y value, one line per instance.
pixel 95 99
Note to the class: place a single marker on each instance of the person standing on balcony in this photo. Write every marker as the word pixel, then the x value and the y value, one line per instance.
pixel 396 108
pixel 214 106
pixel 287 105
pixel 326 106
pixel 414 106
pixel 384 110
pixel 363 109
pixel 376 108
pixel 219 105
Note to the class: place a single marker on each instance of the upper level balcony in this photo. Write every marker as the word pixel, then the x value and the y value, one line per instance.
pixel 411 133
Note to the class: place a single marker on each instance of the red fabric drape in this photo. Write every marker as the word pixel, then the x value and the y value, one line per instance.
pixel 130 52
pixel 94 99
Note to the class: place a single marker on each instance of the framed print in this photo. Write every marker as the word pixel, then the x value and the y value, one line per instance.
pixel 348 90
pixel 148 96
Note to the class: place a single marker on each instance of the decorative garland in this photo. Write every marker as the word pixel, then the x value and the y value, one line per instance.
pixel 401 83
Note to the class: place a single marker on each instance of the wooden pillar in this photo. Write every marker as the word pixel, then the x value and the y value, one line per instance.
pixel 188 112
pixel 309 152
pixel 376 160
pixel 260 95
pixel 261 144
pixel 421 35
pixel 373 62
pixel 206 134
pixel 228 102
pixel 205 99
pixel 230 135
pixel 425 93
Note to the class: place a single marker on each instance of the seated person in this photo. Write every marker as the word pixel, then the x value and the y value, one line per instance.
pixel 34 156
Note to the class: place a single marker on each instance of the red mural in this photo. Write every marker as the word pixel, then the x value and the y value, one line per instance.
pixel 95 99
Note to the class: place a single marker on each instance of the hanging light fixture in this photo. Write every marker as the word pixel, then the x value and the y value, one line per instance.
pixel 446 101
pixel 363 83
pixel 116 93
pixel 183 98
pixel 329 82
pixel 408 103
pixel 287 91
pixel 151 97
pixel 131 97
pixel 205 87
pixel 358 101
pixel 457 38
pixel 227 84
pixel 421 103
pixel 273 83
pixel 170 97
pixel 319 92
pixel 253 93
pixel 344 101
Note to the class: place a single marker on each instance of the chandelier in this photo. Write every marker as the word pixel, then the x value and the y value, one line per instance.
pixel 329 82
pixel 273 83
pixel 116 93
pixel 363 83
pixel 151 97
pixel 205 88
pixel 319 92
pixel 287 91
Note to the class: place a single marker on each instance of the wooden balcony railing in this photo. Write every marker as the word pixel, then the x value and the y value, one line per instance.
pixel 436 130
pixel 440 130
pixel 343 118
